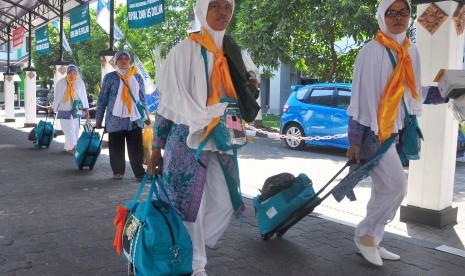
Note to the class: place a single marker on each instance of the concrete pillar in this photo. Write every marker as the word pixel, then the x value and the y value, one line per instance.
pixel 9 87
pixel 30 86
pixel 59 71
pixel 431 179
pixel 275 93
pixel 107 63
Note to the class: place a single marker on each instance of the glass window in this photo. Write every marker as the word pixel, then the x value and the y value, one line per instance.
pixel 321 97
pixel 343 99
pixel 301 94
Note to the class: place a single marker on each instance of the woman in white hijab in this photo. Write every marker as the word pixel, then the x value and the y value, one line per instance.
pixel 68 91
pixel 205 191
pixel 376 112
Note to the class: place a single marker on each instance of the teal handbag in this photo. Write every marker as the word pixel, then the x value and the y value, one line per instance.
pixel 76 110
pixel 408 147
pixel 409 138
pixel 229 134
pixel 154 238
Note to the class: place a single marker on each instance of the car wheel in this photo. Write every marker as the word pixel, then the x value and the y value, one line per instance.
pixel 292 143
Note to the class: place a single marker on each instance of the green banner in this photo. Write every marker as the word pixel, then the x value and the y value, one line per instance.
pixel 145 13
pixel 42 43
pixel 79 23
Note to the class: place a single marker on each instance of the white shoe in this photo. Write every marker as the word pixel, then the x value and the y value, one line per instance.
pixel 385 254
pixel 199 272
pixel 370 253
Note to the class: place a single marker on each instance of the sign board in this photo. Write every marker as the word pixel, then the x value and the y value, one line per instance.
pixel 79 23
pixel 42 42
pixel 145 13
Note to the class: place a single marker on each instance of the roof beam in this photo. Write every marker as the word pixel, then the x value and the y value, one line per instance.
pixel 52 8
pixel 26 9
pixel 20 21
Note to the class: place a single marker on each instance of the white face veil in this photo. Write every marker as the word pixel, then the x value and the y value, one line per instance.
pixel 382 8
pixel 201 10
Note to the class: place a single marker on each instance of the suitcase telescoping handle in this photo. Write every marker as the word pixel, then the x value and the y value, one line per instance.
pixel 347 164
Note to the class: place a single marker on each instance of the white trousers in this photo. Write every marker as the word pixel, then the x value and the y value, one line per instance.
pixel 387 192
pixel 214 214
pixel 70 129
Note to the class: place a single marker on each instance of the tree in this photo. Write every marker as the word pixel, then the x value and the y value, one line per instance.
pixel 305 32
pixel 86 55
pixel 165 35
pixel 44 64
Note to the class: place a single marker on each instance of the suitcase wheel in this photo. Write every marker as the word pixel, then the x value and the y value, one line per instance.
pixel 281 233
pixel 81 167
pixel 267 237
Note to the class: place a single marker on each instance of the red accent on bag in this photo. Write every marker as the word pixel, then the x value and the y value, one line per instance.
pixel 119 221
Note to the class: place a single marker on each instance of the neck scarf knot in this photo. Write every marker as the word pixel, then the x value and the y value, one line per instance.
pixel 394 90
pixel 126 89
pixel 220 75
pixel 70 89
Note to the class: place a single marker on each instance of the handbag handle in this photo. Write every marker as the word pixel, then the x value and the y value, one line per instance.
pixel 132 97
pixel 154 184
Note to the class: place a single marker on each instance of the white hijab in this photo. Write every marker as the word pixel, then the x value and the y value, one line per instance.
pixel 382 8
pixel 183 83
pixel 372 71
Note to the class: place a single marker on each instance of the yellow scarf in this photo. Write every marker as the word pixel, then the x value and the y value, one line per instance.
pixel 125 97
pixel 70 89
pixel 394 89
pixel 220 74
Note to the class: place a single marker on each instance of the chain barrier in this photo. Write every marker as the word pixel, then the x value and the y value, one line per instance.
pixel 282 136
pixel 49 106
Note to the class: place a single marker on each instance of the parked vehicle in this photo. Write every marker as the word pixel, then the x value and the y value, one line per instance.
pixel 320 110
pixel 317 109
pixel 92 106
pixel 44 98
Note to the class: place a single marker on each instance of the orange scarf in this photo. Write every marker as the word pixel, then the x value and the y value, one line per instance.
pixel 70 89
pixel 394 90
pixel 220 75
pixel 125 97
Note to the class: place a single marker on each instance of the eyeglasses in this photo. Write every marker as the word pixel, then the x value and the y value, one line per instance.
pixel 395 13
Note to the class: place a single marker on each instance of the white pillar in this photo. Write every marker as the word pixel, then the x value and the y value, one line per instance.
pixel 9 87
pixel 30 97
pixel 107 63
pixel 59 72
pixel 431 179
pixel 275 93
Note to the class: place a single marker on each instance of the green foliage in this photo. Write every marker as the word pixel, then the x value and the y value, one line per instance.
pixel 44 64
pixel 165 35
pixel 271 121
pixel 305 32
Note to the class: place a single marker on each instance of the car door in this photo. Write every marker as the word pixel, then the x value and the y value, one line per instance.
pixel 317 119
pixel 339 118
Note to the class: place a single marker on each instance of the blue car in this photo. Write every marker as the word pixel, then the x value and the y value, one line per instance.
pixel 316 110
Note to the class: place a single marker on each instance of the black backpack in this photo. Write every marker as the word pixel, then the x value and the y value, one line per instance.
pixel 274 184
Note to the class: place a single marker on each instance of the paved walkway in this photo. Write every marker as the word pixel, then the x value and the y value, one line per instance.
pixel 57 220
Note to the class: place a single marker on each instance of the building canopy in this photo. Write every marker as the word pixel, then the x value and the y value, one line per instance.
pixel 16 13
